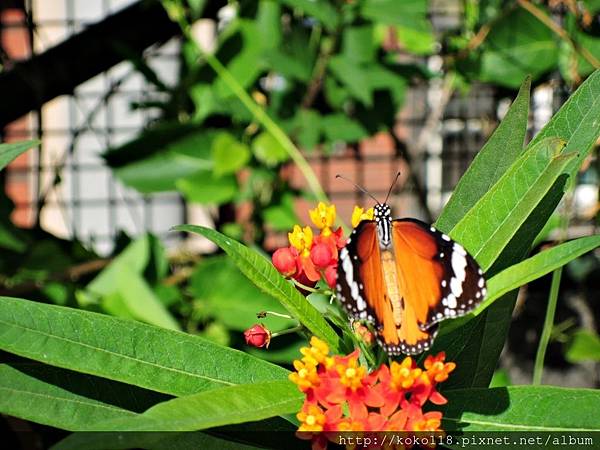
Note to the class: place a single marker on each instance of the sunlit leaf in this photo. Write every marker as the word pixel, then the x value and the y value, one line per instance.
pixel 123 350
pixel 230 405
pixel 499 152
pixel 8 152
pixel 583 346
pixel 522 408
pixel 263 274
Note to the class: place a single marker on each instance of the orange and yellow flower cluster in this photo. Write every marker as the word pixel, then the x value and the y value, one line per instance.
pixel 342 396
pixel 310 258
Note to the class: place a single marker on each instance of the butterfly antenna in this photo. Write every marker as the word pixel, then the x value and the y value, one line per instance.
pixel 360 188
pixel 392 187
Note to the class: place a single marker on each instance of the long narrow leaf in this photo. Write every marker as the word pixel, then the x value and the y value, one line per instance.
pixel 225 406
pixel 536 267
pixel 577 121
pixel 124 350
pixel 27 397
pixel 522 408
pixel 499 152
pixel 8 152
pixel 262 273
pixel 484 336
pixel 147 440
pixel 488 227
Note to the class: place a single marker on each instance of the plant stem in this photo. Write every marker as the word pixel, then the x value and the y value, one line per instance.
pixel 303 286
pixel 547 330
pixel 257 111
pixel 288 331
pixel 273 313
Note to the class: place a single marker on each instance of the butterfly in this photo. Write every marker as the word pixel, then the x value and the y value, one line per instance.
pixel 404 277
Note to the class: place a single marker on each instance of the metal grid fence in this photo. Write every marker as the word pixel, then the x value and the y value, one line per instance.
pixel 72 193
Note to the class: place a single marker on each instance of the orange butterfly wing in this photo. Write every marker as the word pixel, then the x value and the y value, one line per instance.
pixel 371 288
pixel 405 290
pixel 439 278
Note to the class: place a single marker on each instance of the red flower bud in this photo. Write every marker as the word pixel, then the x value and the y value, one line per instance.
pixel 331 275
pixel 321 255
pixel 284 260
pixel 258 336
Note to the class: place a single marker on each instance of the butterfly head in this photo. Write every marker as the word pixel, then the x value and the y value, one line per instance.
pixel 382 212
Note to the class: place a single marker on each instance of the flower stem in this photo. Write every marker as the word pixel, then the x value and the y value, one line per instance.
pixel 262 314
pixel 288 331
pixel 303 286
pixel 547 330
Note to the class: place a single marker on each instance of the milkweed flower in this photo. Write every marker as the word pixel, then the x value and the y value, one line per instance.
pixel 311 257
pixel 359 214
pixel 323 217
pixel 342 396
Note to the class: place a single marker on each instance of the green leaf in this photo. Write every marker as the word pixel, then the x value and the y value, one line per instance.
pixel 282 216
pixel 501 378
pixel 320 9
pixel 535 267
pixel 207 189
pixel 246 64
pixel 518 45
pixel 353 77
pixel 125 293
pixel 141 302
pixel 269 150
pixel 262 273
pixel 227 295
pixel 338 127
pixel 306 128
pixel 230 405
pixel 571 62
pixel 268 21
pixel 407 13
pixel 487 228
pixel 577 121
pixel 494 158
pixel 229 154
pixel 174 157
pixel 419 40
pixel 358 44
pixel 522 408
pixel 24 394
pixel 9 152
pixel 159 172
pixel 152 441
pixel 9 239
pixel 288 66
pixel 583 346
pixel 135 257
pixel 132 352
pixel 477 344
pixel 279 354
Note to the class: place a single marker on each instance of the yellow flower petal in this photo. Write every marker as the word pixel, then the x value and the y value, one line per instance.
pixel 301 238
pixel 323 216
pixel 359 214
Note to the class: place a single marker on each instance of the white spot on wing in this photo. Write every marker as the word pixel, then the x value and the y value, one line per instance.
pixel 451 301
